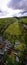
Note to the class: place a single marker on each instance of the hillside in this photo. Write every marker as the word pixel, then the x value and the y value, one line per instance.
pixel 13 32
pixel 5 23
pixel 10 25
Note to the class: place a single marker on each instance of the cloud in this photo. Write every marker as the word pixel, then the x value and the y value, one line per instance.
pixel 3 13
pixel 3 4
pixel 18 4
pixel 23 12
pixel 11 8
pixel 20 13
pixel 10 13
pixel 0 11
pixel 13 13
pixel 3 8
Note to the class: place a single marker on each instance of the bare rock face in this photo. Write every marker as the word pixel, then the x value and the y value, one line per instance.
pixel 1 46
pixel 0 38
pixel 7 44
pixel 17 43
pixel 17 59
pixel 25 26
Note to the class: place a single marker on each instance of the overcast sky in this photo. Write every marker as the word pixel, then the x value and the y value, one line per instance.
pixel 10 8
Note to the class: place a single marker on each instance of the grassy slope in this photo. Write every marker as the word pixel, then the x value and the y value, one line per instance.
pixel 7 19
pixel 14 29
pixel 11 22
pixel 24 20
